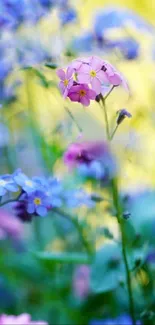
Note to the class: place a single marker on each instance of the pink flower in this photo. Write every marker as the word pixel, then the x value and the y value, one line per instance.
pixel 66 80
pixel 113 76
pixel 92 73
pixel 85 153
pixel 81 281
pixel 82 94
pixel 23 319
pixel 76 64
pixel 10 225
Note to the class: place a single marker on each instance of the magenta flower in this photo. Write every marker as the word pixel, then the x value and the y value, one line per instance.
pixel 92 73
pixel 82 94
pixel 85 153
pixel 23 319
pixel 66 80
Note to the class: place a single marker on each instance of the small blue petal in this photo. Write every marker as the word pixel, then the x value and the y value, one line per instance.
pixel 41 210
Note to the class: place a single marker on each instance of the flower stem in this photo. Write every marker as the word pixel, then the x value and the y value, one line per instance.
pixel 106 118
pixel 76 223
pixel 118 208
pixel 9 201
pixel 113 133
pixel 124 253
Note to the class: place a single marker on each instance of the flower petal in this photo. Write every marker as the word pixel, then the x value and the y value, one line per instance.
pixel 84 78
pixel 85 101
pixel 96 63
pixel 41 210
pixel 102 76
pixel 85 68
pixel 69 72
pixel 96 85
pixel 91 94
pixel 115 80
pixel 62 87
pixel 74 97
pixel 61 74
pixel 30 208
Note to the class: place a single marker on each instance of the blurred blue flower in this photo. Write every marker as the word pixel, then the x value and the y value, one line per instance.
pixel 37 203
pixel 83 43
pixel 121 320
pixel 77 198
pixel 94 170
pixel 24 182
pixel 7 184
pixel 67 15
pixel 117 17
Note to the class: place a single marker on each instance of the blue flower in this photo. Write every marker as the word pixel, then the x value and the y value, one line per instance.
pixel 55 192
pixel 77 198
pixel 94 170
pixel 24 182
pixel 121 320
pixel 67 15
pixel 37 203
pixel 83 43
pixel 112 18
pixel 7 184
pixel 52 188
pixel 116 17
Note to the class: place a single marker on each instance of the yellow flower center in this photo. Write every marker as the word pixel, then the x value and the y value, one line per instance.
pixel 37 201
pixel 93 73
pixel 2 183
pixel 66 82
pixel 29 183
pixel 82 92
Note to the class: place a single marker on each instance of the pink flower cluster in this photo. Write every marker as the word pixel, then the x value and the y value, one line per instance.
pixel 86 78
pixel 23 319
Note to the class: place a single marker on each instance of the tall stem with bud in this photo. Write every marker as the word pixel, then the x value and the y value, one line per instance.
pixel 118 208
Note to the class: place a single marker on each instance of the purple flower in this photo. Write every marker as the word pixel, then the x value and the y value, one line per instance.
pixel 24 182
pixel 20 209
pixel 122 114
pixel 82 94
pixel 66 80
pixel 85 153
pixel 38 202
pixel 7 184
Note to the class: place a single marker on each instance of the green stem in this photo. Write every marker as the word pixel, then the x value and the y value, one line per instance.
pixel 113 133
pixel 107 95
pixel 74 120
pixel 10 201
pixel 124 253
pixel 118 208
pixel 106 118
pixel 38 232
pixel 75 222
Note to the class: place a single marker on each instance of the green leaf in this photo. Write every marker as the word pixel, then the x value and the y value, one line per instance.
pixel 107 270
pixel 52 66
pixel 129 231
pixel 75 258
pixel 106 233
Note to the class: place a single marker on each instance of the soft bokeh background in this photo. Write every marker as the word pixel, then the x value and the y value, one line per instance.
pixel 35 130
